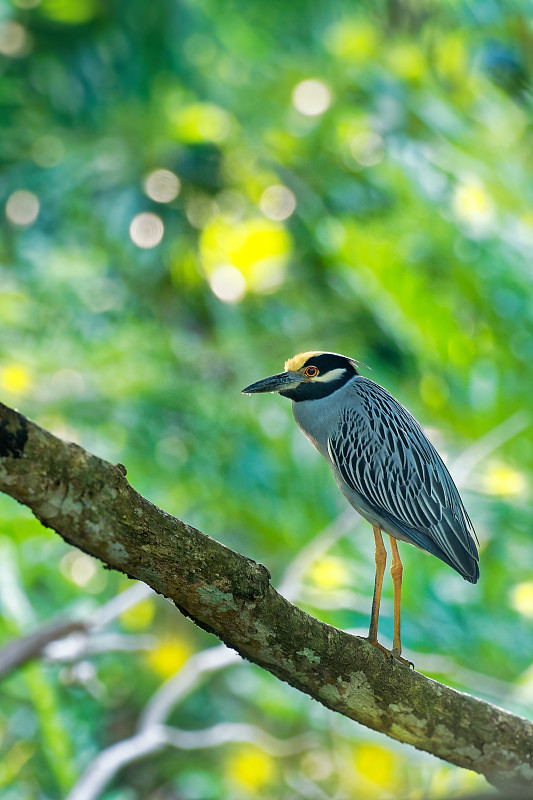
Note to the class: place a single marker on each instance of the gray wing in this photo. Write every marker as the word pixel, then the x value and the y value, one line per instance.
pixel 383 454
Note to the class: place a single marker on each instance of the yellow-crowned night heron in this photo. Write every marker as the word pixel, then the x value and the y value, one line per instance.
pixel 383 463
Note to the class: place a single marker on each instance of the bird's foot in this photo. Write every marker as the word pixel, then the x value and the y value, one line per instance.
pixel 393 654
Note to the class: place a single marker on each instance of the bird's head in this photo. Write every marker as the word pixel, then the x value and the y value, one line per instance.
pixel 309 376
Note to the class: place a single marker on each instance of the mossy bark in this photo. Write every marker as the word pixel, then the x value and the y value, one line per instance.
pixel 92 506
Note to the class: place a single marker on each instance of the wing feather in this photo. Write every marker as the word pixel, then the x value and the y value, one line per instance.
pixel 383 455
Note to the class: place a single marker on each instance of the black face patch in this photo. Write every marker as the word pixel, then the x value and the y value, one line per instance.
pixel 314 390
pixel 13 434
pixel 326 362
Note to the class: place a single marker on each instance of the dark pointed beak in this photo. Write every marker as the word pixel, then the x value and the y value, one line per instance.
pixel 276 383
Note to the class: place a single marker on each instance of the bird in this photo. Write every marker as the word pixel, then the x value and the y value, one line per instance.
pixel 384 465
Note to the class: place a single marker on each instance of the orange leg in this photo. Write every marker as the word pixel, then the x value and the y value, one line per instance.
pixel 396 572
pixel 381 560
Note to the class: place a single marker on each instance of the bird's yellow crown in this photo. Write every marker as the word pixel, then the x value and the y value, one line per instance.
pixel 296 362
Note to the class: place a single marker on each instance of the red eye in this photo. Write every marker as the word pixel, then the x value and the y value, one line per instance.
pixel 311 372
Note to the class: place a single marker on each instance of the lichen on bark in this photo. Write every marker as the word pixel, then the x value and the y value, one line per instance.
pixel 90 504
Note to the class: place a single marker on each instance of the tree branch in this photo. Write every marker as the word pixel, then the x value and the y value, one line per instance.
pixel 91 505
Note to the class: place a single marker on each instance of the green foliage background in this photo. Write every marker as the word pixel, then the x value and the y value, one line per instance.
pixel 410 245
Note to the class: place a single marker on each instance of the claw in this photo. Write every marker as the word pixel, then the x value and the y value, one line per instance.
pixel 392 655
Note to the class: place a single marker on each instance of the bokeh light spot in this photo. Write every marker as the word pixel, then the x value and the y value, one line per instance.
pixel 474 206
pixel 376 764
pixel 251 768
pixel 521 598
pixel 48 151
pixel 169 656
pixel 146 230
pixel 162 185
pixel 200 210
pixel 277 203
pixel 311 97
pixel 70 12
pixel 501 479
pixel 407 61
pixel 201 122
pixel 139 616
pixel 227 283
pixel 352 40
pixel 14 40
pixel 66 383
pixel 78 567
pixel 258 248
pixel 367 148
pixel 15 379
pixel 329 573
pixel 22 208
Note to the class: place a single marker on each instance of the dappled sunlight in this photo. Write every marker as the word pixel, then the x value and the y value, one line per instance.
pixel 250 769
pixel 521 598
pixel 277 203
pixel 14 40
pixel 502 479
pixel 367 148
pixel 256 249
pixel 474 206
pixel 377 767
pixel 200 122
pixel 311 97
pixel 162 185
pixel 22 208
pixel 169 655
pixel 329 573
pixel 15 380
pixel 146 230
pixel 189 196
pixel 352 40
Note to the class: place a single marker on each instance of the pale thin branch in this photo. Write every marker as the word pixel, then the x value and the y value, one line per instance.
pixel 19 651
pixel 320 544
pixel 465 463
pixel 184 682
pixel 119 604
pixel 81 645
pixel 154 738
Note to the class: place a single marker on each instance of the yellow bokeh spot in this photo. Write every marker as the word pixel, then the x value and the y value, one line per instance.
pixel 71 12
pixel 376 764
pixel 251 768
pixel 15 379
pixel 258 248
pixel 169 655
pixel 200 122
pixel 352 40
pixel 472 203
pixel 521 598
pixel 407 61
pixel 139 616
pixel 329 573
pixel 500 479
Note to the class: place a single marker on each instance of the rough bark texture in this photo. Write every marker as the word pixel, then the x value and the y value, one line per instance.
pixel 92 506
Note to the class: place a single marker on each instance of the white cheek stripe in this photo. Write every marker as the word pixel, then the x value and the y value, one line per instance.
pixel 332 375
